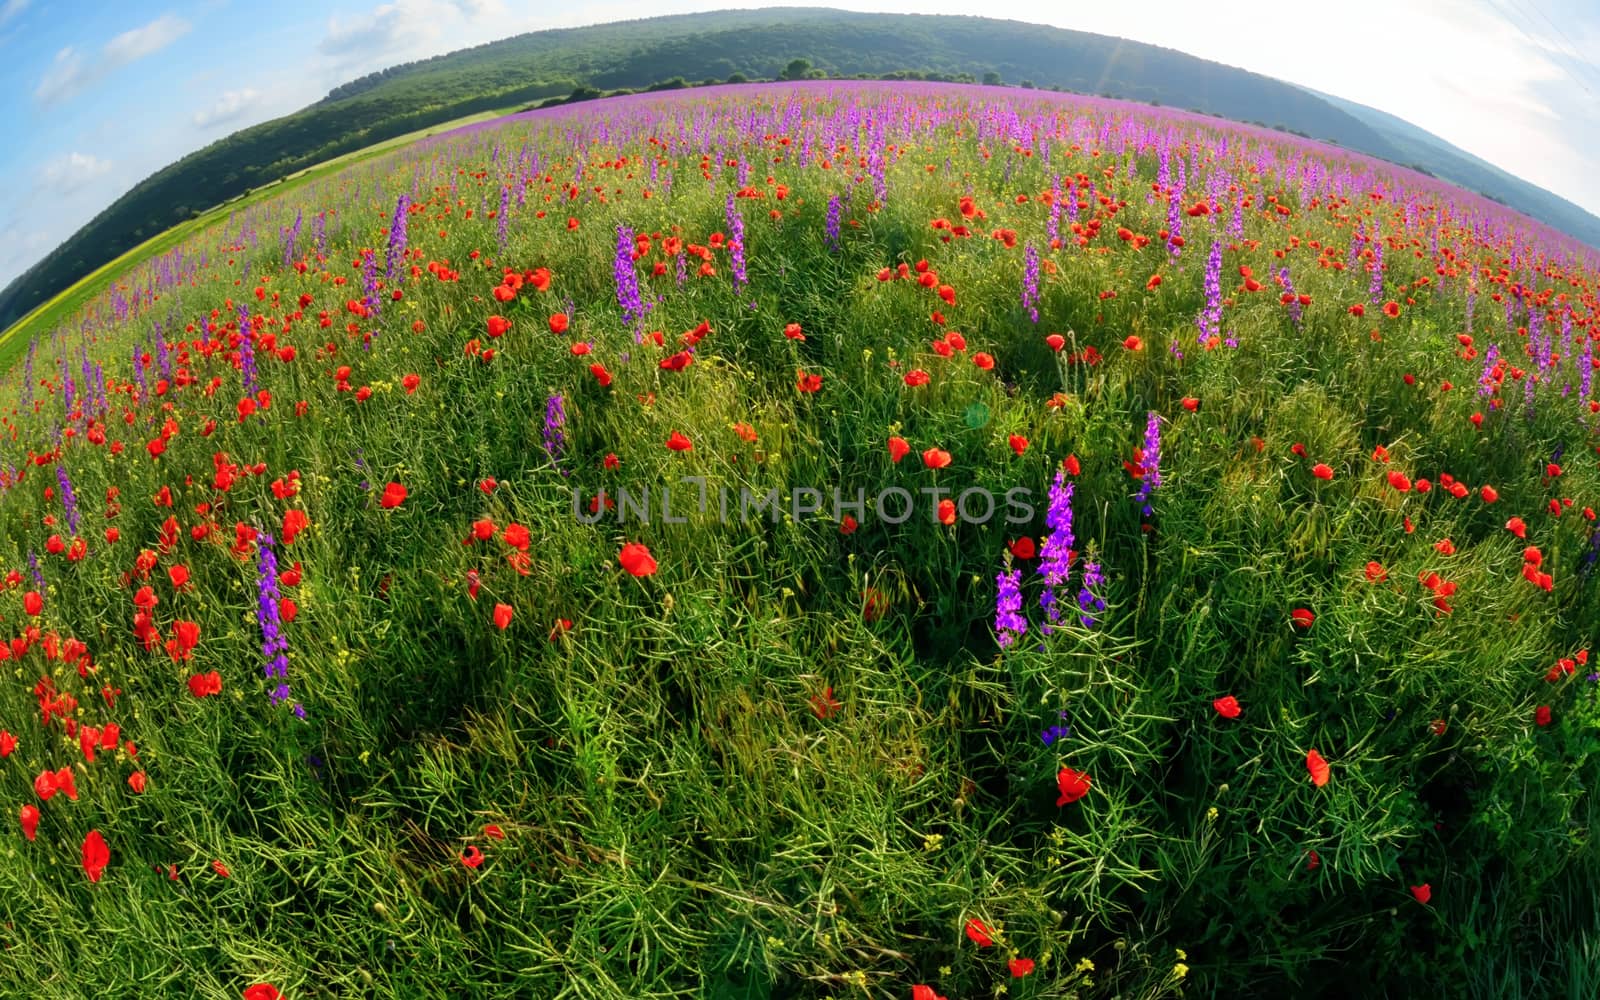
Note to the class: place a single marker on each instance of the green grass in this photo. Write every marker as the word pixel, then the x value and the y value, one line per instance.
pixel 682 812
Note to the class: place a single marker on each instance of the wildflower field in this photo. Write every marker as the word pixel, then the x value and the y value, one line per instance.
pixel 819 540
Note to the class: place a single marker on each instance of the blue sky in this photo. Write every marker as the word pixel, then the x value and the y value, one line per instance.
pixel 100 95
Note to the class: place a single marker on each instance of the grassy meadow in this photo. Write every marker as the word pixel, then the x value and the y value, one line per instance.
pixel 1109 553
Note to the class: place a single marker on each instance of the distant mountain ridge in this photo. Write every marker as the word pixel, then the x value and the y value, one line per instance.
pixel 664 52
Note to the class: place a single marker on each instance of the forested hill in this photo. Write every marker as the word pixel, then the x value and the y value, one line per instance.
pixel 714 47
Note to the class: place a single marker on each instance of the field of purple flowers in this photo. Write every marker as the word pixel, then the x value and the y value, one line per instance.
pixel 813 540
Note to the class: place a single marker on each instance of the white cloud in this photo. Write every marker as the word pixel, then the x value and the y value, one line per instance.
pixel 473 9
pixel 407 29
pixel 232 104
pixel 21 246
pixel 146 40
pixel 385 29
pixel 10 9
pixel 64 78
pixel 69 73
pixel 73 171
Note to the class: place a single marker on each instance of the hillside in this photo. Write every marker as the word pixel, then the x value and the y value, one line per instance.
pixel 714 47
pixel 1457 166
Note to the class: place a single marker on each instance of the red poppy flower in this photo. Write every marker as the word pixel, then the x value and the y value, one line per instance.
pixel 95 855
pixel 472 857
pixel 807 383
pixel 262 991
pixel 220 868
pixel 917 377
pixel 636 559
pixel 1227 706
pixel 1391 309
pixel 1056 341
pixel 136 781
pixel 498 325
pixel 493 830
pixel 1073 785
pixel 1541 715
pixel 1133 343
pixel 1024 548
pixel 1399 481
pixel 979 933
pixel 32 603
pixel 516 536
pixel 983 360
pixel 1322 470
pixel 677 442
pixel 8 743
pixel 793 332
pixel 204 685
pixel 502 615
pixel 676 362
pixel 921 992
pixel 30 821
pixel 1020 967
pixel 898 449
pixel 1422 893
pixel 1302 617
pixel 1318 768
pixel 558 323
pixel 1489 494
pixel 936 458
pixel 394 495
pixel 294 522
pixel 823 705
pixel 1516 526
